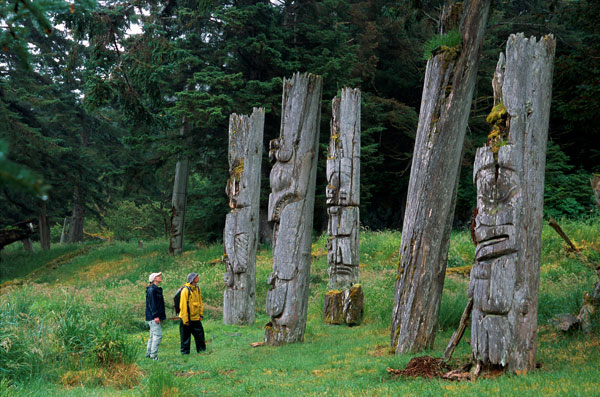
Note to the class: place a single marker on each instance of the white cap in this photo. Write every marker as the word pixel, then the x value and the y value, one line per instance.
pixel 153 276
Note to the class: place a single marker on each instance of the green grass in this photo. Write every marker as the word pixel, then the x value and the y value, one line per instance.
pixel 77 327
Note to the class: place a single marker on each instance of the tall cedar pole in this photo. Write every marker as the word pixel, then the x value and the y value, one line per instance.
pixel 509 175
pixel 241 224
pixel 63 234
pixel 178 201
pixel 447 94
pixel 76 223
pixel 343 200
pixel 291 207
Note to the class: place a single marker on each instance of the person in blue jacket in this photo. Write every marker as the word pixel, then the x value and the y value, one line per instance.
pixel 155 314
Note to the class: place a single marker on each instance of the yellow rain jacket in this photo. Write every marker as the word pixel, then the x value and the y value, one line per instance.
pixel 195 309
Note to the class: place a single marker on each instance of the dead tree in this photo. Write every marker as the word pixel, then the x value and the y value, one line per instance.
pixel 447 94
pixel 343 198
pixel 509 176
pixel 241 224
pixel 291 207
pixel 178 201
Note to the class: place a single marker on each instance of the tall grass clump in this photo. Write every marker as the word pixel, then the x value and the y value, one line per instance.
pixel 160 381
pixel 50 333
pixel 21 339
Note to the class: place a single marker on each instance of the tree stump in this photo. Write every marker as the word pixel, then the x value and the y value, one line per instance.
pixel 241 224
pixel 447 95
pixel 291 207
pixel 509 175
pixel 343 198
pixel 344 306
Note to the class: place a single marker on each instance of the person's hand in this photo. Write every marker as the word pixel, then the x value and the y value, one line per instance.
pixel 201 318
pixel 157 320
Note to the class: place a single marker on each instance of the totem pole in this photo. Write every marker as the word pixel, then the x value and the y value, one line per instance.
pixel 343 302
pixel 291 207
pixel 241 224
pixel 509 176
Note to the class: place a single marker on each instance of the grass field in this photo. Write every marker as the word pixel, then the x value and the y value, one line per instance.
pixel 72 323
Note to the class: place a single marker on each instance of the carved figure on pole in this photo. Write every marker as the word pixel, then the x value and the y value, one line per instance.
pixel 241 224
pixel 509 176
pixel 291 207
pixel 343 198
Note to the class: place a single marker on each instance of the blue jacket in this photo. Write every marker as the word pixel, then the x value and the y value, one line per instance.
pixel 155 303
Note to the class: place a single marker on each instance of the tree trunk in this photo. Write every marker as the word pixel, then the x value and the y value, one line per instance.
pixel 343 198
pixel 447 94
pixel 509 175
pixel 63 234
pixel 291 207
pixel 595 181
pixel 241 224
pixel 178 201
pixel 76 224
pixel 44 227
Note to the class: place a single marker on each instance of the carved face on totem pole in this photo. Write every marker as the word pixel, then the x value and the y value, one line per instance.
pixel 499 200
pixel 339 181
pixel 281 151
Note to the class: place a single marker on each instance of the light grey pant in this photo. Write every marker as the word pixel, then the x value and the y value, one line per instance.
pixel 155 337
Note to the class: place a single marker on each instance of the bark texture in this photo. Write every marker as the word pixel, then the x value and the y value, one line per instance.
pixel 447 95
pixel 178 201
pixel 509 175
pixel 76 224
pixel 241 224
pixel 291 207
pixel 343 198
pixel 44 228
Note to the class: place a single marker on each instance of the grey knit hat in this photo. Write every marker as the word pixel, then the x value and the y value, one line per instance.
pixel 191 277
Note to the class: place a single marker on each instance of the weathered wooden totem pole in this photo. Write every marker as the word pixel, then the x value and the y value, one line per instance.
pixel 178 200
pixel 291 207
pixel 343 302
pixel 509 175
pixel 241 224
pixel 447 95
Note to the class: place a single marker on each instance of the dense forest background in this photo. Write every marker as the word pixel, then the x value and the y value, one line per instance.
pixel 92 98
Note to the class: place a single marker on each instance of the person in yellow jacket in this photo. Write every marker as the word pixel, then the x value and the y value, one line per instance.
pixel 191 312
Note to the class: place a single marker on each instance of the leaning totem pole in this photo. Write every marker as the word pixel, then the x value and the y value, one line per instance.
pixel 241 224
pixel 509 176
pixel 447 96
pixel 291 207
pixel 343 303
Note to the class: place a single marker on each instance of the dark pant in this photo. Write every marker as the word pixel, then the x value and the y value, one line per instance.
pixel 186 331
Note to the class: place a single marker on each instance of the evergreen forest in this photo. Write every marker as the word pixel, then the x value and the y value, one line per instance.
pixel 93 96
